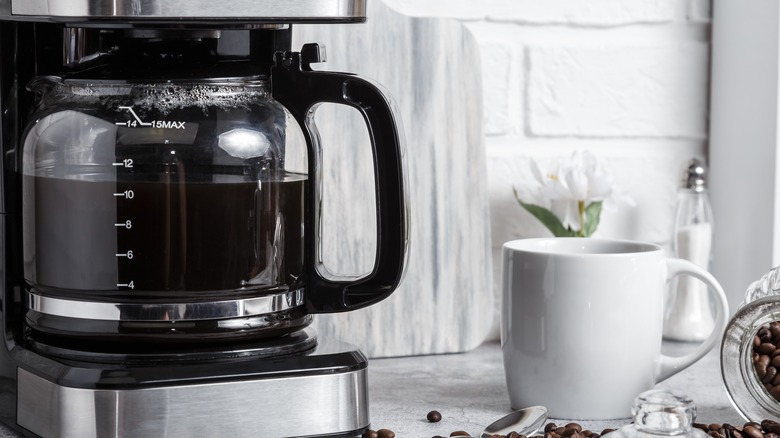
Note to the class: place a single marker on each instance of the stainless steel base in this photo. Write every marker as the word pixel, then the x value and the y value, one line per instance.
pixel 315 402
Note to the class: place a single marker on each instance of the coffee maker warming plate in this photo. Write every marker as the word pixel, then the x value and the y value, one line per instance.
pixel 184 11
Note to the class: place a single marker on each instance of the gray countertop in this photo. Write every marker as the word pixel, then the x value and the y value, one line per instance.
pixel 468 389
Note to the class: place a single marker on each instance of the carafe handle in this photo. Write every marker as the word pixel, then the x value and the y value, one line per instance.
pixel 300 89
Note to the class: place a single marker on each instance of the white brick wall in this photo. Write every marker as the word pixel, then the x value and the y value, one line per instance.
pixel 627 80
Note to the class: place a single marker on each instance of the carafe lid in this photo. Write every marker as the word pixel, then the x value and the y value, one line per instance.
pixel 184 12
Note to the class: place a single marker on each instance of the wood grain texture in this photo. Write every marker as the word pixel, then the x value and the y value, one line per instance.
pixel 431 68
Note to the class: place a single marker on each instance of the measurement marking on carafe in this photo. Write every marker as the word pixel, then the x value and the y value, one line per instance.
pixel 126 224
pixel 130 285
pixel 127 194
pixel 137 119
pixel 127 162
pixel 128 254
pixel 159 124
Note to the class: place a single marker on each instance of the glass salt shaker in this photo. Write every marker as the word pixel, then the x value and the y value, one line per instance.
pixel 750 345
pixel 661 413
pixel 690 315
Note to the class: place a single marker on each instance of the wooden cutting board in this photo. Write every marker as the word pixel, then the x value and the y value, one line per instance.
pixel 431 69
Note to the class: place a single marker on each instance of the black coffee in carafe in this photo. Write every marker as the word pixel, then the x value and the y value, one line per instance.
pixel 159 238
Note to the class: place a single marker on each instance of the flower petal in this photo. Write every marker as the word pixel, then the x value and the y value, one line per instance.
pixel 600 185
pixel 567 211
pixel 577 182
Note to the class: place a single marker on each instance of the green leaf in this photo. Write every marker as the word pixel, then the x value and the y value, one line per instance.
pixel 592 217
pixel 547 218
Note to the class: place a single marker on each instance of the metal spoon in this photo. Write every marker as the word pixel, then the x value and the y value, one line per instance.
pixel 525 422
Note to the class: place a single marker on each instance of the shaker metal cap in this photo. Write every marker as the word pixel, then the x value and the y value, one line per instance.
pixel 695 176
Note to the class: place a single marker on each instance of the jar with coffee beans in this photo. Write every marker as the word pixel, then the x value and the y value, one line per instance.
pixel 750 353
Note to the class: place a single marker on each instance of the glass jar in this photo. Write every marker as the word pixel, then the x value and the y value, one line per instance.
pixel 660 412
pixel 749 347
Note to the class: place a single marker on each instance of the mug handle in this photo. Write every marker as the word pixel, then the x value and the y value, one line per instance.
pixel 301 89
pixel 669 365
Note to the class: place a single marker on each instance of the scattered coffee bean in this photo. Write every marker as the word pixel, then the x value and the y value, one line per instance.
pixel 550 427
pixel 385 433
pixel 574 426
pixel 370 434
pixel 434 416
pixel 567 433
pixel 459 433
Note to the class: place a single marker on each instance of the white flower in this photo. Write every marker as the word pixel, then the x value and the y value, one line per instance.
pixel 572 184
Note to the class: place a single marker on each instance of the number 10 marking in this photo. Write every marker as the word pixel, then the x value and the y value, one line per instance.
pixel 127 194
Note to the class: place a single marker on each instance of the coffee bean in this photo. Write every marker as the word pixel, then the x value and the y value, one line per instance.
pixel 574 426
pixel 459 433
pixel 385 433
pixel 764 334
pixel 771 372
pixel 568 432
pixel 760 370
pixel 766 348
pixel 370 434
pixel 513 434
pixel 550 427
pixel 606 431
pixel 753 431
pixel 766 424
pixel 434 416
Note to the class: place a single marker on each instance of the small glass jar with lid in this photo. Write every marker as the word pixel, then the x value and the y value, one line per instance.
pixel 750 352
pixel 661 413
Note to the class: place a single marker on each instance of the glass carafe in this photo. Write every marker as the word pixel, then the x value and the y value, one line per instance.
pixel 184 211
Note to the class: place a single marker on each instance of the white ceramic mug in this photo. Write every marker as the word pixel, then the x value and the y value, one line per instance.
pixel 582 320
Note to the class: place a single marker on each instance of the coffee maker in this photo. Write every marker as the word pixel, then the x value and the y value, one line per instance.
pixel 160 219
